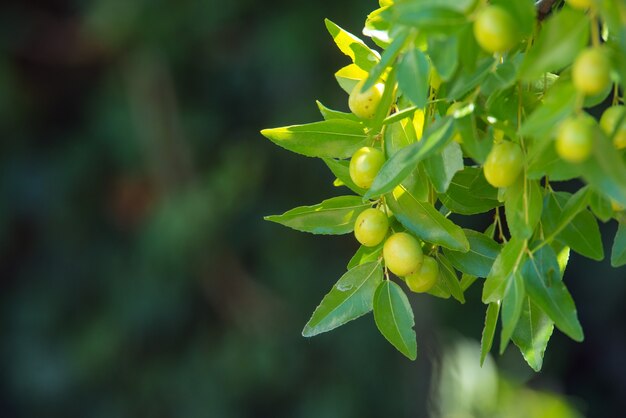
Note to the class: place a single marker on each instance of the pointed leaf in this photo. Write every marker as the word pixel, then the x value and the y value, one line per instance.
pixel 469 193
pixel 523 204
pixel 450 279
pixel 333 216
pixel 489 331
pixel 394 318
pixel 365 255
pixel 504 267
pixel 511 309
pixel 413 76
pixel 542 279
pixel 618 252
pixel 532 334
pixel 355 48
pixel 334 138
pixel 341 170
pixel 349 299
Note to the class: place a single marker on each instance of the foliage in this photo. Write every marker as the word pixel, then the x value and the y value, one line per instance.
pixel 455 101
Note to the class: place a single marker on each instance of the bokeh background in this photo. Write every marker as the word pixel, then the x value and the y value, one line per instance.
pixel 137 276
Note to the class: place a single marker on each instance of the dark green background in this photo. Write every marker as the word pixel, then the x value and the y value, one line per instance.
pixel 137 276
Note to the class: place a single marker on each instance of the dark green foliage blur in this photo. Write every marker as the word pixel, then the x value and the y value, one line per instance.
pixel 137 276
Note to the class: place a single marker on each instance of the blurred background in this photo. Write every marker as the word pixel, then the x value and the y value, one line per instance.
pixel 137 276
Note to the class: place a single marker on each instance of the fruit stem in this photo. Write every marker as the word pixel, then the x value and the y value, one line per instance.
pixel 595 33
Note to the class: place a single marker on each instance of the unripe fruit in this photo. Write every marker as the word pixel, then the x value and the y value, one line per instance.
pixel 495 29
pixel 364 104
pixel 425 278
pixel 608 123
pixel 504 163
pixel 403 254
pixel 580 4
pixel 574 139
pixel 591 72
pixel 365 165
pixel 371 227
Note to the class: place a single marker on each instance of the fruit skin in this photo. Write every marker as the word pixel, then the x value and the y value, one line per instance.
pixel 403 254
pixel 608 122
pixel 591 72
pixel 580 4
pixel 504 163
pixel 574 140
pixel 365 165
pixel 370 227
pixel 364 104
pixel 425 278
pixel 495 29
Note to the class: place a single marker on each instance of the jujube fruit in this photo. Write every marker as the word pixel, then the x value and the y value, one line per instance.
pixel 591 72
pixel 402 254
pixel 504 164
pixel 495 29
pixel 609 121
pixel 425 277
pixel 574 139
pixel 365 165
pixel 371 227
pixel 364 103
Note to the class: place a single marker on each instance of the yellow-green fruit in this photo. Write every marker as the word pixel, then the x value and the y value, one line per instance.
pixel 574 139
pixel 608 123
pixel 504 163
pixel 425 278
pixel 453 108
pixel 403 254
pixel 371 227
pixel 591 72
pixel 495 29
pixel 364 103
pixel 580 4
pixel 365 165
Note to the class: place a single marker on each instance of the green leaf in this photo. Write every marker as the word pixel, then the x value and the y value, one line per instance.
pixel 532 334
pixel 443 54
pixel 465 82
pixel 427 18
pixel 386 59
pixel 511 309
pixel 355 48
pixel 489 331
pixel 547 162
pixel 523 204
pixel 568 221
pixel 413 76
pixel 417 184
pixel 600 206
pixel 475 144
pixel 333 216
pixel 349 76
pixel 404 161
pixel 394 318
pixel 618 252
pixel 558 104
pixel 442 167
pixel 450 279
pixel 480 257
pixel 562 37
pixel 469 193
pixel 466 281
pixel 425 221
pixel 341 170
pixel 365 255
pixel 329 114
pixel 506 265
pixel 397 136
pixel 331 138
pixel 542 279
pixel 351 297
